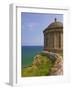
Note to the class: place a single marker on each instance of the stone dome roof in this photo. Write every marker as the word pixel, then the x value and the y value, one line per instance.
pixel 55 24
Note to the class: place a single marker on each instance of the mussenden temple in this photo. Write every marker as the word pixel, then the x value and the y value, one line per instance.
pixel 49 61
pixel 53 37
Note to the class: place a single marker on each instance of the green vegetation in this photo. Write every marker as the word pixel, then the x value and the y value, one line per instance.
pixel 40 67
pixel 43 64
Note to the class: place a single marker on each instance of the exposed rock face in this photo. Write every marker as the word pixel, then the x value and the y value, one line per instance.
pixel 52 56
pixel 45 64
pixel 37 60
pixel 57 68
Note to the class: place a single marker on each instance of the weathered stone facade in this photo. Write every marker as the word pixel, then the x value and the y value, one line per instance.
pixel 53 37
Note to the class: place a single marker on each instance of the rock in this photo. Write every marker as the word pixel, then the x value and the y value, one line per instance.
pixel 50 55
pixel 37 60
pixel 45 64
pixel 57 68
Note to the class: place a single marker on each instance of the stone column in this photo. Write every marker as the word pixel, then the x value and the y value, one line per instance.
pixel 54 40
pixel 61 40
pixel 47 41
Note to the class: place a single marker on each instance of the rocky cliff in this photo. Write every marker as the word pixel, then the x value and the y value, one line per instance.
pixel 45 64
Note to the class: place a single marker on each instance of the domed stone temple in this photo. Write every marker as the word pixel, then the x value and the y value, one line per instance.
pixel 53 37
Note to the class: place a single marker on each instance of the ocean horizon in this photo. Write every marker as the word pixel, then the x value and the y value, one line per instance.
pixel 28 53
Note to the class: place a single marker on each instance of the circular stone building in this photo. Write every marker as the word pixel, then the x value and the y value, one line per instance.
pixel 53 37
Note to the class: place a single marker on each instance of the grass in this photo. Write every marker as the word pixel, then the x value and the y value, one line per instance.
pixel 41 67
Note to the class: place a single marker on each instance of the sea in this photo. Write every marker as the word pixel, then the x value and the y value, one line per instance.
pixel 28 53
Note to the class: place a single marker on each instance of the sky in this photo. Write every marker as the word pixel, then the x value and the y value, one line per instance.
pixel 33 25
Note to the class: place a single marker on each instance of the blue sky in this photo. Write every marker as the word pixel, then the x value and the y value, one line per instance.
pixel 32 26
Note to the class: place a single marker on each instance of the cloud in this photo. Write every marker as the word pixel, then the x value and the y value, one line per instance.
pixel 32 25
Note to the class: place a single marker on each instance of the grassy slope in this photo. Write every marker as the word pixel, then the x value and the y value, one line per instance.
pixel 41 67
